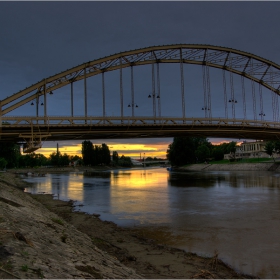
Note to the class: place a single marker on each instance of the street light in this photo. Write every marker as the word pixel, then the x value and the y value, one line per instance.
pixel 149 96
pixel 154 96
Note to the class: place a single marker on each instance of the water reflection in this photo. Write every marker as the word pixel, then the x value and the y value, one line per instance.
pixel 236 213
pixel 191 179
pixel 133 195
pixel 63 186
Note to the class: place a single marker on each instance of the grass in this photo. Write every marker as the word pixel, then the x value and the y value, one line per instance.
pixel 97 240
pixel 24 268
pixel 247 160
pixel 7 266
pixel 25 254
pixel 39 273
pixel 58 221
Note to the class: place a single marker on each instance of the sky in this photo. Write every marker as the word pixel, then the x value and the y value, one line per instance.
pixel 40 39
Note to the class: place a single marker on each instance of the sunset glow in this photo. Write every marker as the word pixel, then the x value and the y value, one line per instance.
pixel 133 150
pixel 130 150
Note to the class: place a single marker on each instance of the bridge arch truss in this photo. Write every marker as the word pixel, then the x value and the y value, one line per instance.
pixel 260 72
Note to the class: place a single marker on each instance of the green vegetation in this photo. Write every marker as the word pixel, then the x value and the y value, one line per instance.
pixel 247 160
pixel 11 153
pixel 58 221
pixel 10 157
pixel 7 265
pixel 24 268
pixel 115 157
pixel 188 150
pixel 125 161
pixel 183 150
pixel 3 163
pixel 272 147
pixel 97 240
pixel 94 154
pixel 39 273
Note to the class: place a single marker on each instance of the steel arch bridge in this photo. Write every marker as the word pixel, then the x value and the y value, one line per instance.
pixel 259 81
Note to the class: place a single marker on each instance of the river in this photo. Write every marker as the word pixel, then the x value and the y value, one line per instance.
pixel 236 214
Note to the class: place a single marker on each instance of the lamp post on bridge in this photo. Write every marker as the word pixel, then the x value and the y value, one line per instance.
pixel 262 114
pixel 154 96
pixel 233 102
pixel 132 105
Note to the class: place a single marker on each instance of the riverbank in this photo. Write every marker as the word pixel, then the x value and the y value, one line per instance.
pixel 36 243
pixel 43 237
pixel 231 166
pixel 260 166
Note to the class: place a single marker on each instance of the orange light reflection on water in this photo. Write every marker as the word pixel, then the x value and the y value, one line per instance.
pixel 137 194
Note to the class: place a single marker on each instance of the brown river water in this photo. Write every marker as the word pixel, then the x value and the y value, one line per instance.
pixel 236 214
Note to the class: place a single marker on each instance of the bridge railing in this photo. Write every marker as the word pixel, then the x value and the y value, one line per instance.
pixel 25 121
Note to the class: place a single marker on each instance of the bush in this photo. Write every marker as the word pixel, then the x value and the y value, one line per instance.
pixel 3 163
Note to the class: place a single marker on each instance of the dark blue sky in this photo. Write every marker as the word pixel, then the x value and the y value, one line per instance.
pixel 40 39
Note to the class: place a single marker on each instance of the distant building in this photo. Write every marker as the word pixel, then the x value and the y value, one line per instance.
pixel 249 150
pixel 136 162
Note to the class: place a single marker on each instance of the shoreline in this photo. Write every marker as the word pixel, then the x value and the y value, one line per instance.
pixel 135 248
pixel 259 166
pixel 138 248
pixel 234 166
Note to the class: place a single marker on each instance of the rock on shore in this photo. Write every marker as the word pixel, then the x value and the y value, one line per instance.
pixel 36 243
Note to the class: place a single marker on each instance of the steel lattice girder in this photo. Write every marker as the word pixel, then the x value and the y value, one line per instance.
pixel 253 67
pixel 67 128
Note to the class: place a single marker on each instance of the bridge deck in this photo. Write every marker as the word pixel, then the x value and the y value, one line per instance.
pixel 72 128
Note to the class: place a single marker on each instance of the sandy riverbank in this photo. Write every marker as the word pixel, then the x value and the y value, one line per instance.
pixel 43 237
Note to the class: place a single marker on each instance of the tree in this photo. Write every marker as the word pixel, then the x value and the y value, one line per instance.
pixel 32 160
pixel 149 159
pixel 63 160
pixel 218 153
pixel 94 155
pixel 182 150
pixel 115 157
pixel 276 146
pixel 3 163
pixel 269 148
pixel 231 149
pixel 11 153
pixel 105 152
pixel 54 158
pixel 125 161
pixel 87 152
pixel 202 153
